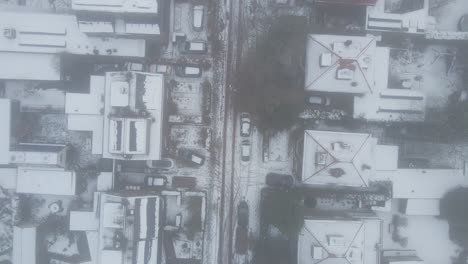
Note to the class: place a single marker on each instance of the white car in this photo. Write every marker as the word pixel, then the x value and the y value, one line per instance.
pixel 245 124
pixel 198 13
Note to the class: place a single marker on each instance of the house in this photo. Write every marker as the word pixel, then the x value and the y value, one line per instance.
pixel 344 159
pixel 129 228
pixel 53 155
pixel 133 116
pixel 356 67
pixel 346 2
pixel 32 44
pixel 127 18
pixel 52 181
pixel 24 244
pixel 125 115
pixel 355 241
pixel 407 16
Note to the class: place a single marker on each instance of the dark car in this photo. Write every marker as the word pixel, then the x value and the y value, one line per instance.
pixel 191 157
pixel 184 182
pixel 243 214
pixel 463 23
pixel 280 180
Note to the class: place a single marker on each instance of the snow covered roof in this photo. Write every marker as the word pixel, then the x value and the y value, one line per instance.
pixel 29 66
pixel 54 181
pixel 339 242
pixel 338 158
pixel 136 136
pixel 343 64
pixel 24 245
pixel 94 104
pixel 57 33
pixel 5 120
pixel 117 6
pixel 427 183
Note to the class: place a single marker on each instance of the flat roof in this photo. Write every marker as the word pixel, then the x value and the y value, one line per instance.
pixel 94 104
pixel 30 66
pixel 5 131
pixel 426 183
pixel 117 6
pixel 351 154
pixel 24 245
pixel 46 181
pixel 57 33
pixel 8 178
pixel 83 221
pixel 144 89
pixel 340 64
pixel 339 241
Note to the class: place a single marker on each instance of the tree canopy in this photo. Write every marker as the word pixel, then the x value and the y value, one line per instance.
pixel 271 78
pixel 283 210
pixel 454 208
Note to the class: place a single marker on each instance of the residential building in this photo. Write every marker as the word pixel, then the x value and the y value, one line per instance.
pixel 129 228
pixel 407 16
pixel 52 181
pixel 355 241
pixel 125 114
pixel 355 66
pixel 344 159
pixel 37 41
pixel 39 154
pixel 347 2
pixel 127 18
pixel 341 159
pixel 24 244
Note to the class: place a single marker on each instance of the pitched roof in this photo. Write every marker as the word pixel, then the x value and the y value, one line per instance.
pixel 338 158
pixel 339 242
pixel 344 52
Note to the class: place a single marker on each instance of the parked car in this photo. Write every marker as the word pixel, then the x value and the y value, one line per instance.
pixel 160 164
pixel 463 23
pixel 246 149
pixel 184 182
pixel 241 243
pixel 160 68
pixel 155 181
pixel 194 47
pixel 319 100
pixel 188 71
pixel 243 214
pixel 245 126
pixel 191 157
pixel 280 180
pixel 198 14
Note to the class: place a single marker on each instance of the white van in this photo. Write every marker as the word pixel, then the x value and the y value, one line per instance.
pixel 198 13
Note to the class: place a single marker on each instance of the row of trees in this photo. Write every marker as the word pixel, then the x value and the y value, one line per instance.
pixel 270 80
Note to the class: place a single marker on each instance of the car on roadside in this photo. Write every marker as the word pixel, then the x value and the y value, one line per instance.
pixel 198 13
pixel 184 182
pixel 194 47
pixel 246 149
pixel 279 180
pixel 245 124
pixel 155 181
pixel 319 100
pixel 191 156
pixel 243 214
pixel 188 71
pixel 463 23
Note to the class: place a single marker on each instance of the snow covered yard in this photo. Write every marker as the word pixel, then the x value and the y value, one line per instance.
pixel 448 13
pixel 427 235
pixel 431 69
